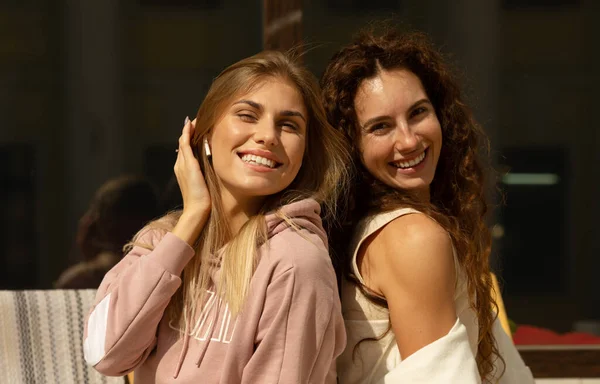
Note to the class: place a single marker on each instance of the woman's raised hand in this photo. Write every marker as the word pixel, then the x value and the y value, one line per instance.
pixel 196 198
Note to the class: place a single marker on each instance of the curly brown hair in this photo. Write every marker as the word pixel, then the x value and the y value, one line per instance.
pixel 457 193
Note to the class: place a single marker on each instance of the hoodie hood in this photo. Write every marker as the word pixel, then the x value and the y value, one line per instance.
pixel 303 214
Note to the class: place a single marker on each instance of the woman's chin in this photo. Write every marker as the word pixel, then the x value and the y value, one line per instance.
pixel 257 190
pixel 415 184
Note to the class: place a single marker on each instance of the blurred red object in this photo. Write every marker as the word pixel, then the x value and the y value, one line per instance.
pixel 529 335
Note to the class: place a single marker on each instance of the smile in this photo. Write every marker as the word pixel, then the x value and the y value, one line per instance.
pixel 259 160
pixel 410 163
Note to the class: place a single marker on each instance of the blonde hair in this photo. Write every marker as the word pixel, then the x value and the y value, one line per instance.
pixel 322 176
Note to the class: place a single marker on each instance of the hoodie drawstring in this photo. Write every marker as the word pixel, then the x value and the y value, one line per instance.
pixel 184 348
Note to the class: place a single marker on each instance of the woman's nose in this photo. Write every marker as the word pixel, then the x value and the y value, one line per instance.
pixel 405 139
pixel 266 133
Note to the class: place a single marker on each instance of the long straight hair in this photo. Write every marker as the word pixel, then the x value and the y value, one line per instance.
pixel 322 176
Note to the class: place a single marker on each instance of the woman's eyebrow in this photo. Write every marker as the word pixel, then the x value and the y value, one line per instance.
pixel 250 103
pixel 260 107
pixel 416 104
pixel 293 113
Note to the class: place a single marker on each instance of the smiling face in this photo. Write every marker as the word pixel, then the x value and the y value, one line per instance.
pixel 258 144
pixel 400 135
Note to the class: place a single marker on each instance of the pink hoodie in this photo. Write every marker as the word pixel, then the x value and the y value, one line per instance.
pixel 290 329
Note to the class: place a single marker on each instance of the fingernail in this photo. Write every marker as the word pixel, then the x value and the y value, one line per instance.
pixel 186 121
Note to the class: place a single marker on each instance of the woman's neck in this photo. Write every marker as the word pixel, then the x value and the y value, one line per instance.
pixel 238 210
pixel 423 195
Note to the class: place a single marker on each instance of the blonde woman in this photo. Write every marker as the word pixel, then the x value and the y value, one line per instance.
pixel 238 287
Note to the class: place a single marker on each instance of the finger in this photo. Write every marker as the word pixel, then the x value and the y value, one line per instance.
pixel 184 139
pixel 185 134
pixel 183 130
pixel 177 164
pixel 187 153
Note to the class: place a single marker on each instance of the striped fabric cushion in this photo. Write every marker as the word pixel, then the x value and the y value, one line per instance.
pixel 41 338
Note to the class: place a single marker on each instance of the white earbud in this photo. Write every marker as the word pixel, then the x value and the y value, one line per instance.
pixel 207 148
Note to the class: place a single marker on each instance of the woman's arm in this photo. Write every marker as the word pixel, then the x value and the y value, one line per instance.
pixel 121 328
pixel 411 263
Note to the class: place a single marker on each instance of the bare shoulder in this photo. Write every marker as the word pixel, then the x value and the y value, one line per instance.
pixel 413 231
pixel 412 250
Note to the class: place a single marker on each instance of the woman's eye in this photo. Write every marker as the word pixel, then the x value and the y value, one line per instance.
pixel 247 118
pixel 289 126
pixel 418 111
pixel 378 127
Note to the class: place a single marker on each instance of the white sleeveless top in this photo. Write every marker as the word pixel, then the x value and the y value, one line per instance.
pixel 450 359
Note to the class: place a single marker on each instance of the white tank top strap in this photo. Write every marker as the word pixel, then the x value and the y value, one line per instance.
pixel 368 226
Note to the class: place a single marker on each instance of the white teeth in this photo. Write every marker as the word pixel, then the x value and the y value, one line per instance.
pixel 258 160
pixel 411 163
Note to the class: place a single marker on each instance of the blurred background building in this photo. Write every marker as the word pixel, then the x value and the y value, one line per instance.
pixel 93 89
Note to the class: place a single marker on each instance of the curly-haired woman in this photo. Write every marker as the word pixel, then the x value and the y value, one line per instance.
pixel 416 293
